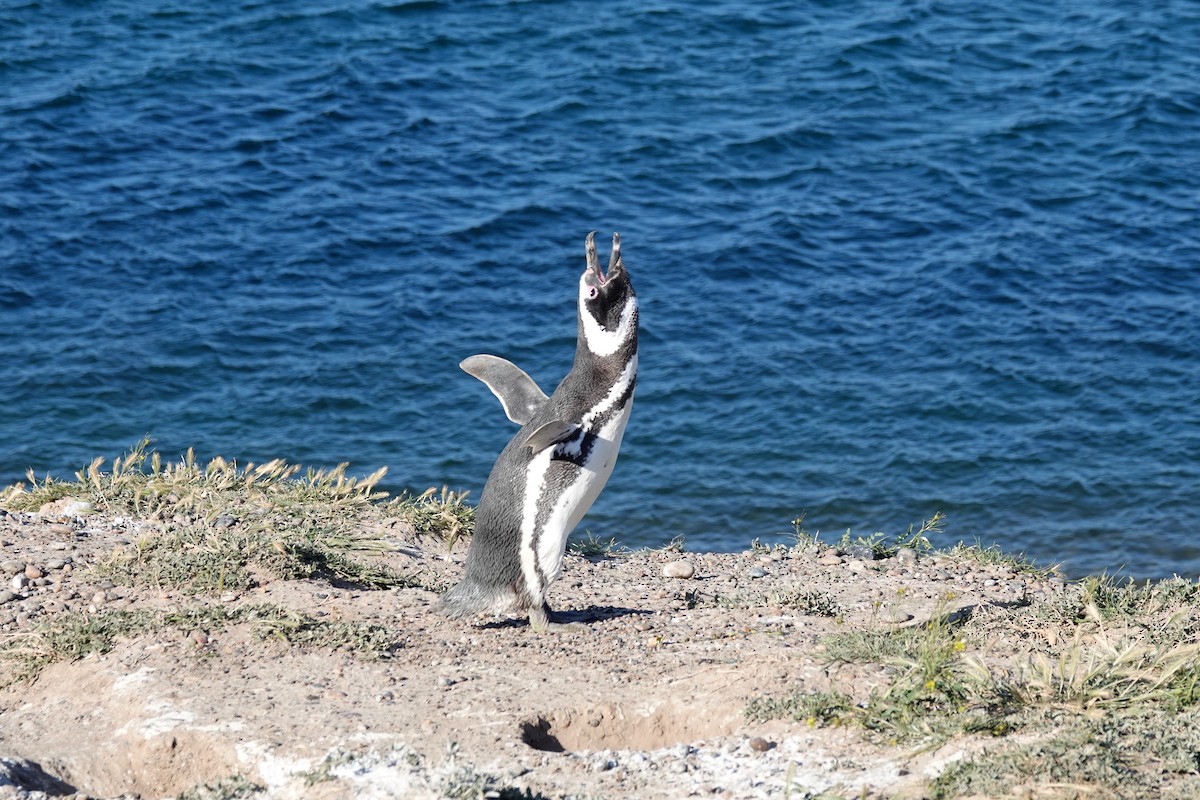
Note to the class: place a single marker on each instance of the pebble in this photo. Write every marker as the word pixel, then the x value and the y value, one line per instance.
pixel 56 563
pixel 100 598
pixel 19 581
pixel 758 572
pixel 760 745
pixel 7 597
pixel 66 507
pixel 907 555
pixel 862 552
pixel 33 573
pixel 830 559
pixel 854 565
pixel 601 762
pixel 679 569
pixel 12 567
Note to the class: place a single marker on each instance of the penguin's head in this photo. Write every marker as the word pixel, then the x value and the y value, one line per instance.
pixel 607 302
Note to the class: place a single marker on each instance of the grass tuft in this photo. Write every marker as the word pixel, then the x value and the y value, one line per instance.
pixel 591 546
pixel 445 516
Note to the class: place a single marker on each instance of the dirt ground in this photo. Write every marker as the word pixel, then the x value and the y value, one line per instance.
pixel 640 693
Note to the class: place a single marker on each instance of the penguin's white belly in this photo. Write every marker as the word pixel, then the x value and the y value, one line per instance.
pixel 542 550
pixel 575 502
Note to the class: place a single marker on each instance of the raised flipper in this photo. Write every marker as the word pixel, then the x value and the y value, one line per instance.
pixel 550 434
pixel 516 391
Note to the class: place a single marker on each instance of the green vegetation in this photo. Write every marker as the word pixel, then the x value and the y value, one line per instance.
pixel 216 527
pixel 72 636
pixel 1102 683
pixel 446 516
pixel 591 546
pixel 878 544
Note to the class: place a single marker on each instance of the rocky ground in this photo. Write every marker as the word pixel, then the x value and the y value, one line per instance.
pixel 641 691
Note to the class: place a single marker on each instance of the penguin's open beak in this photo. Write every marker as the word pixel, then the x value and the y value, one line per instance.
pixel 593 261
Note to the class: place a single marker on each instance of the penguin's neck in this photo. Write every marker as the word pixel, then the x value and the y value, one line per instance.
pixel 601 342
pixel 610 361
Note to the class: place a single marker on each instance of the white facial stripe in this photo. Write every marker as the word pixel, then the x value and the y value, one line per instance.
pixel 602 342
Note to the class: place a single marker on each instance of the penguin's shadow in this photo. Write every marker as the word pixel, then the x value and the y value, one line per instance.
pixel 572 616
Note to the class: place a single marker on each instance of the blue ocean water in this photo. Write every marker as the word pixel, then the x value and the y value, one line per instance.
pixel 894 257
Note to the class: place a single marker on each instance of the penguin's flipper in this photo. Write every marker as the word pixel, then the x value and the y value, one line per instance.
pixel 550 434
pixel 517 392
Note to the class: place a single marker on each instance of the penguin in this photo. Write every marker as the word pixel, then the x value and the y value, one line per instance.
pixel 549 475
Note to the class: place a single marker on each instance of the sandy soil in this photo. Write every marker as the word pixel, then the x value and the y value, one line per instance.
pixel 640 694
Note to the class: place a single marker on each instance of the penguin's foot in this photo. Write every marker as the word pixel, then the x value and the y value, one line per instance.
pixel 544 620
pixel 539 618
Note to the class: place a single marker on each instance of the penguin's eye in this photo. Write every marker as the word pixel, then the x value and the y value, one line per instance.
pixel 592 292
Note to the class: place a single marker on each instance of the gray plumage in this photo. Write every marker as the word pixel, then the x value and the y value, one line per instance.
pixel 551 472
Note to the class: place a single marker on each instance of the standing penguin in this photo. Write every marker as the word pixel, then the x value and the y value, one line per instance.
pixel 549 475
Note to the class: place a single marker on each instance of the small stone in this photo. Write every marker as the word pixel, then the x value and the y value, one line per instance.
pixel 33 573
pixel 856 566
pixel 679 569
pixel 200 638
pixel 7 597
pixel 760 745
pixel 758 572
pixel 601 762
pixel 66 507
pixel 862 552
pixel 19 581
pixel 55 563
pixel 907 555
pixel 830 559
pixel 100 598
pixel 12 567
